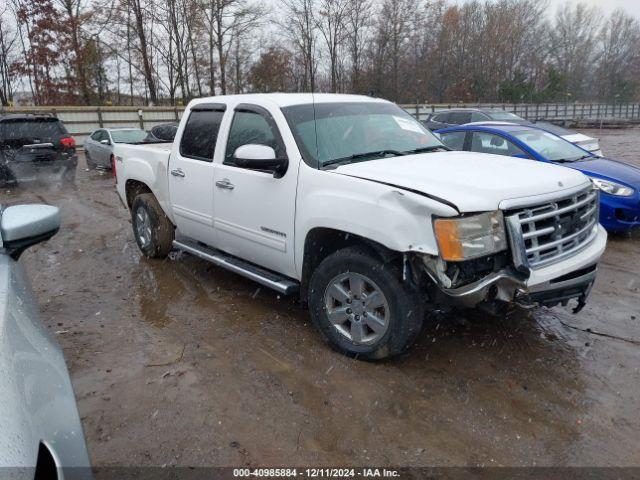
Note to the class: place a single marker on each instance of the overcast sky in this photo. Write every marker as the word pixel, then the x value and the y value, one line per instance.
pixel 631 6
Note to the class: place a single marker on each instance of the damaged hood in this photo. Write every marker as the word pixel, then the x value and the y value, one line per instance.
pixel 472 182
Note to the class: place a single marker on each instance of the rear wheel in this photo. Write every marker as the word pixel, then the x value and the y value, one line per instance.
pixel 152 229
pixel 361 306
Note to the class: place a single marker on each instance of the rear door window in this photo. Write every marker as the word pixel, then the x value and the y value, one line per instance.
pixel 200 134
pixel 454 140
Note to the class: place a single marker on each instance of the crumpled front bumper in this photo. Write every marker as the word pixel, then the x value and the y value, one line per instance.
pixel 571 278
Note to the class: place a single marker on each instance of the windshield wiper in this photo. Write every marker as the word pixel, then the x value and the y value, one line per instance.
pixel 567 160
pixel 431 148
pixel 377 153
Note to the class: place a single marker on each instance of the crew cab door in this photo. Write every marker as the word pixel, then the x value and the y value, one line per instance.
pixel 254 212
pixel 191 172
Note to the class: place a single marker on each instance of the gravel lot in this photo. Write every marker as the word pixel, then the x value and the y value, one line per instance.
pixel 177 362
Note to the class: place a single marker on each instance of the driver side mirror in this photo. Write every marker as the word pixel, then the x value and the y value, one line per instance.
pixel 22 226
pixel 105 142
pixel 260 157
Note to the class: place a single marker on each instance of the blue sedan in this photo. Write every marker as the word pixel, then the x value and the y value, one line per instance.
pixel 619 182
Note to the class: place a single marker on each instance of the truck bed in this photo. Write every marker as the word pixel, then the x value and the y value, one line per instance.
pixel 147 163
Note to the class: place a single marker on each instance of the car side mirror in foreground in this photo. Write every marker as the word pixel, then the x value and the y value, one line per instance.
pixel 22 226
pixel 105 142
pixel 260 157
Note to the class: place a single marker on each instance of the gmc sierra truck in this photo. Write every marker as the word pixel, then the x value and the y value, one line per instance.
pixel 350 203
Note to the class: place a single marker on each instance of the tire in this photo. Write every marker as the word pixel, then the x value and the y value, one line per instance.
pixel 152 229
pixel 402 313
pixel 90 163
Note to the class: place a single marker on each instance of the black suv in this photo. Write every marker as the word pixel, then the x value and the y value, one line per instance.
pixel 35 147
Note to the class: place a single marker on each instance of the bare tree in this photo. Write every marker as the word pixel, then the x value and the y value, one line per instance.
pixel 358 23
pixel 226 19
pixel 331 22
pixel 8 44
pixel 572 44
pixel 619 57
pixel 299 28
pixel 141 18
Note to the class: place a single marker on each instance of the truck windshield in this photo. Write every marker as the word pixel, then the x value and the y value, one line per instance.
pixel 550 146
pixel 337 133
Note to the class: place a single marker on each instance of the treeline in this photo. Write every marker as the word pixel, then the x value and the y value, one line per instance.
pixel 411 51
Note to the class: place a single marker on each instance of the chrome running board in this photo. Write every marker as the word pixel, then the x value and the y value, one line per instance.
pixel 248 270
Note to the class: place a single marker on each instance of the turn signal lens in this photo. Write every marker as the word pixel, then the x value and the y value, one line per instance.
pixel 464 238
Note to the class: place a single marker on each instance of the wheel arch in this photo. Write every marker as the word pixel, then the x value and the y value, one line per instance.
pixel 133 188
pixel 321 242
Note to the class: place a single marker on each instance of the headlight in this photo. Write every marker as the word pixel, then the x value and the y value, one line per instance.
pixel 612 188
pixel 464 238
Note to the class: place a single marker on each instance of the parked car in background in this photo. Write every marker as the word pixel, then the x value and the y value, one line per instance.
pixel 165 132
pixel 462 116
pixel 618 182
pixel 98 146
pixel 350 203
pixel 35 147
pixel 41 429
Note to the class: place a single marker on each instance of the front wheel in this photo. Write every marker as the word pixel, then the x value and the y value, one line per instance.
pixel 91 165
pixel 362 307
pixel 152 229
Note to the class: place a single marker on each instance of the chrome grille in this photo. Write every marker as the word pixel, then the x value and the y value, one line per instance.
pixel 544 234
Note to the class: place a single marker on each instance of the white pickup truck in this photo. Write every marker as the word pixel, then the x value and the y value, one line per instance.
pixel 348 202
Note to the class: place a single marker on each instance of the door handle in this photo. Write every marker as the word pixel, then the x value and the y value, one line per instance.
pixel 177 172
pixel 225 183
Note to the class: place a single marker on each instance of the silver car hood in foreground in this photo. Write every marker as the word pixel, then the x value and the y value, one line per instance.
pixel 37 403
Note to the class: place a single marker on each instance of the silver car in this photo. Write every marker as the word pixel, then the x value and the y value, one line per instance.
pixel 98 146
pixel 40 431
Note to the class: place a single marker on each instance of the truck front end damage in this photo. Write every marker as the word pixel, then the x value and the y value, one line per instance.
pixel 541 251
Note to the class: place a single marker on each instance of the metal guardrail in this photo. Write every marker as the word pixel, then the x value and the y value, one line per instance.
pixel 81 121
pixel 541 111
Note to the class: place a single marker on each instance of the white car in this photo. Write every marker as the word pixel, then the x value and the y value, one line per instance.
pixel 351 204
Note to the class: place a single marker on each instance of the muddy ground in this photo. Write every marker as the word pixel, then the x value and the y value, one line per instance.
pixel 177 362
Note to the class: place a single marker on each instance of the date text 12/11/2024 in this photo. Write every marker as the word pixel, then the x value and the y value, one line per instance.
pixel 316 472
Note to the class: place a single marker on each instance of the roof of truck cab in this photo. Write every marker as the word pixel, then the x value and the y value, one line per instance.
pixel 288 99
